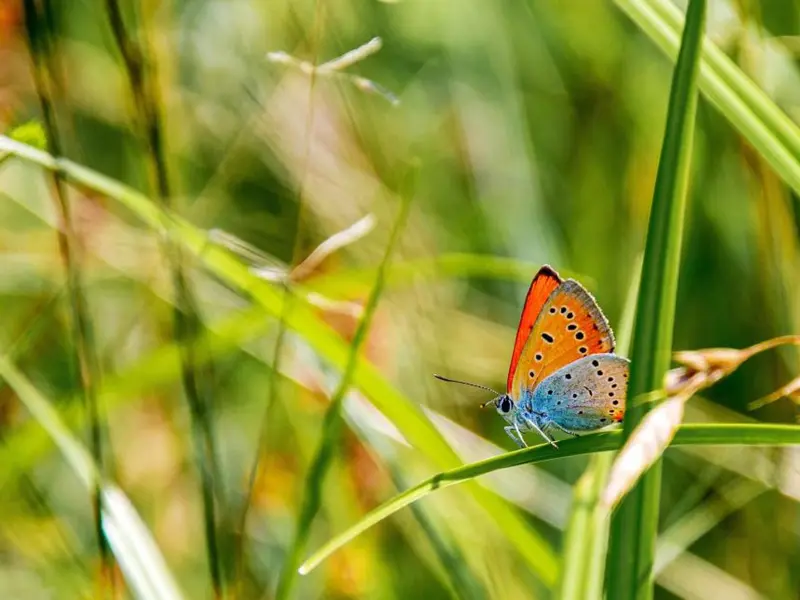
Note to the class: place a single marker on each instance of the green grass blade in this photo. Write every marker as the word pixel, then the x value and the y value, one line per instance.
pixel 406 416
pixel 332 422
pixel 635 524
pixel 586 535
pixel 134 548
pixel 688 435
pixel 141 66
pixel 40 29
pixel 731 91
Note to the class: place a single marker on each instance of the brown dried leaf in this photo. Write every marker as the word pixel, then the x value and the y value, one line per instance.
pixel 649 440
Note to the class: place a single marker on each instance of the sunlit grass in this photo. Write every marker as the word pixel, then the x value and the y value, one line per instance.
pixel 537 132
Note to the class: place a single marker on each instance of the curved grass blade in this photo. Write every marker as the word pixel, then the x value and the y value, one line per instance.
pixel 332 422
pixel 736 96
pixel 688 435
pixel 635 524
pixel 409 420
pixel 134 548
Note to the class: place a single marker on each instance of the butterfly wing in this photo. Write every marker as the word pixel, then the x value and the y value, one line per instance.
pixel 586 394
pixel 543 284
pixel 570 326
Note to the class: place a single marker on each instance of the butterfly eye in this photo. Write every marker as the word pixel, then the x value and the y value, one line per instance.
pixel 505 405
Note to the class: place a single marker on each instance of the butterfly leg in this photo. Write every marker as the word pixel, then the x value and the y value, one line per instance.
pixel 532 424
pixel 513 432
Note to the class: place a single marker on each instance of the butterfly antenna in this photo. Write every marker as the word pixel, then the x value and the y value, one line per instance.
pixel 477 385
pixel 469 383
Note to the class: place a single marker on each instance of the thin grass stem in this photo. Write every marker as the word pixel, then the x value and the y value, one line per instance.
pixel 332 423
pixel 142 78
pixel 288 305
pixel 39 24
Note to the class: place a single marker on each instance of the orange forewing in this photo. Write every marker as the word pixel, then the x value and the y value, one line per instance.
pixel 543 284
pixel 570 326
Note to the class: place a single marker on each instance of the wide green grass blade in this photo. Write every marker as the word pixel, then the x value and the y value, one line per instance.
pixel 134 548
pixel 688 435
pixel 404 414
pixel 634 526
pixel 728 88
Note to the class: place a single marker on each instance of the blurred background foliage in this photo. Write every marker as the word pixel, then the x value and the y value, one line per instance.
pixel 537 128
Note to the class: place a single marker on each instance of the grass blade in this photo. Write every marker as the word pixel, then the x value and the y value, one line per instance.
pixel 331 428
pixel 130 541
pixel 736 96
pixel 356 282
pixel 688 435
pixel 586 535
pixel 634 526
pixel 39 21
pixel 140 62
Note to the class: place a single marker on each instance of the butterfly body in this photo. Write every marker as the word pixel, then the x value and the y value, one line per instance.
pixel 563 373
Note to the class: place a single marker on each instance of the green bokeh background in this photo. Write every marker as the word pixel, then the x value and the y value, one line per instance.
pixel 537 127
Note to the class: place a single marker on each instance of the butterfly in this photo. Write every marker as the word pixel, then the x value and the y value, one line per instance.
pixel 563 374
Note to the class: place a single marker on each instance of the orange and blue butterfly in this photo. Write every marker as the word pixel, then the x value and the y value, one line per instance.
pixel 563 374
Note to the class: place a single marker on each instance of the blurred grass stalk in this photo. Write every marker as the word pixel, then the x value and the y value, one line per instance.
pixel 140 62
pixel 40 28
pixel 137 553
pixel 634 526
pixel 332 422
pixel 746 106
pixel 586 534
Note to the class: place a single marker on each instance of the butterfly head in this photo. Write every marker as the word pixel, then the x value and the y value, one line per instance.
pixel 502 403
